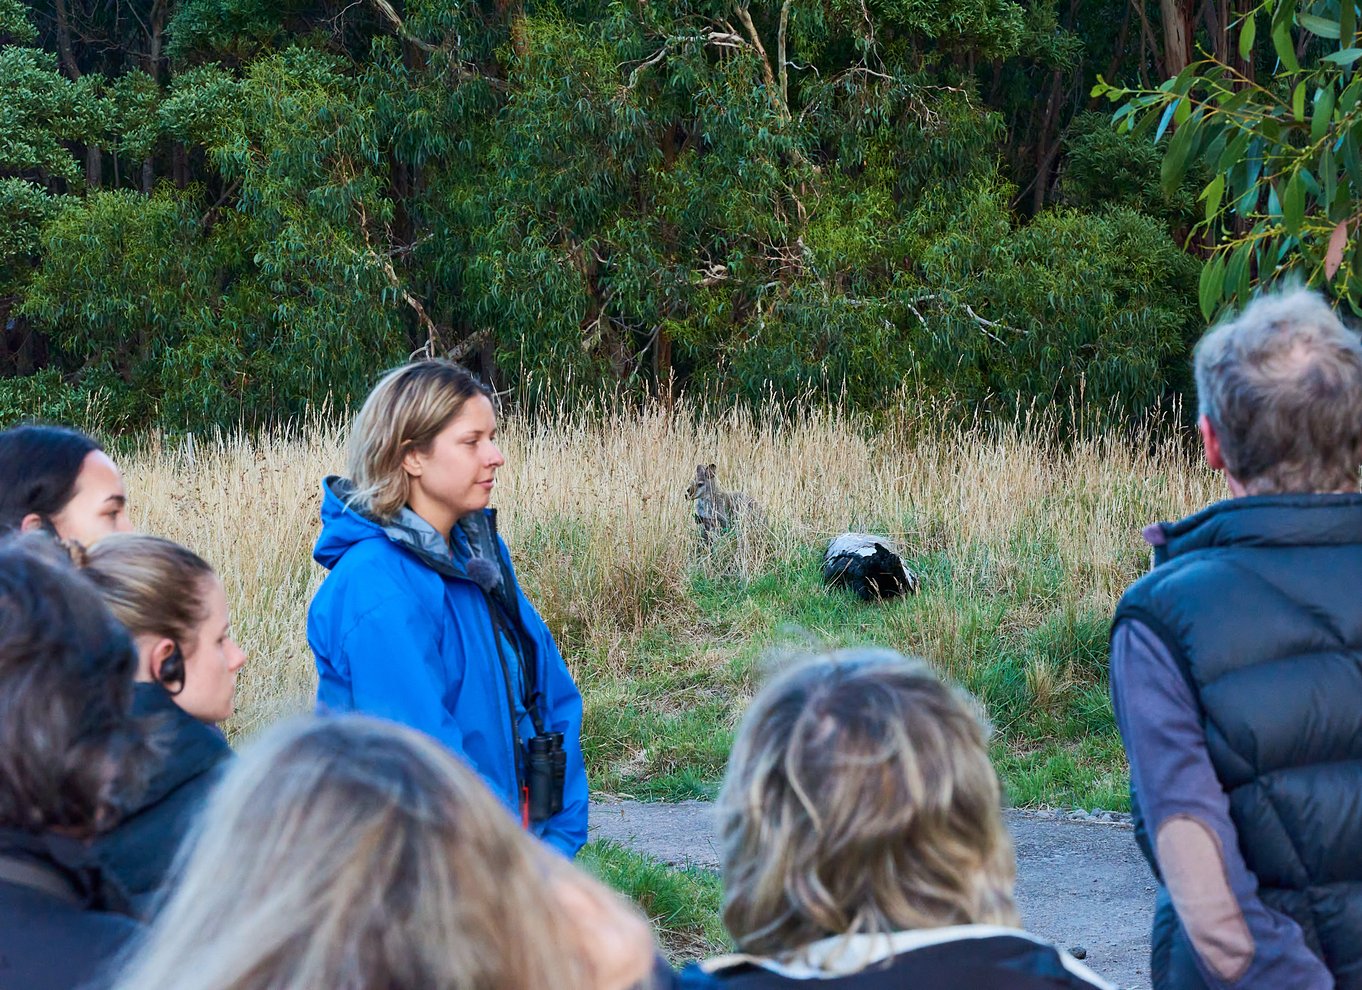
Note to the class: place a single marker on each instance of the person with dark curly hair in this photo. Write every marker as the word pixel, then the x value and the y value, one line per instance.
pixel 70 751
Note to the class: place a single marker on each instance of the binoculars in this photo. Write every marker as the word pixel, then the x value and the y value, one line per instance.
pixel 546 768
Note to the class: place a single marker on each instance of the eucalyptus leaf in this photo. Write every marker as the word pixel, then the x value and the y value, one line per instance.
pixel 1344 56
pixel 1293 204
pixel 1212 284
pixel 1212 194
pixel 1248 33
pixel 1321 26
pixel 1321 114
pixel 1286 50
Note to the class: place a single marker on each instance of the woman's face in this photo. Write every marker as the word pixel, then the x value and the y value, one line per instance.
pixel 98 506
pixel 211 661
pixel 457 474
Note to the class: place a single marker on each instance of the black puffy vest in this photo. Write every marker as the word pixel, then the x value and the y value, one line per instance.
pixel 1260 601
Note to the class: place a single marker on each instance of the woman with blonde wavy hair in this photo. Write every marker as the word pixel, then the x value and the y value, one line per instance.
pixel 863 843
pixel 356 854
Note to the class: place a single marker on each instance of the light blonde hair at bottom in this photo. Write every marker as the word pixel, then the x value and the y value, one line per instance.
pixel 860 799
pixel 354 854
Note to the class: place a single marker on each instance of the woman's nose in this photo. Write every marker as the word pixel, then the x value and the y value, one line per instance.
pixel 238 658
pixel 495 459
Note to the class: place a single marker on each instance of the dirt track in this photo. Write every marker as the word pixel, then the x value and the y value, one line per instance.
pixel 1080 883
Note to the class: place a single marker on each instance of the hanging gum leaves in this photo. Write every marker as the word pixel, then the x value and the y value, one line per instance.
pixel 1282 154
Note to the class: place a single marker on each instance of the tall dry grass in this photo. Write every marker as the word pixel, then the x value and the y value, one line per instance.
pixel 593 508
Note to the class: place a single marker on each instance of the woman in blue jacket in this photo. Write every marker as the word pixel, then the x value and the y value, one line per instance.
pixel 421 619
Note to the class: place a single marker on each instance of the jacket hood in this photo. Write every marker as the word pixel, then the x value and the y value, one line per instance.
pixel 849 955
pixel 187 747
pixel 1262 520
pixel 68 863
pixel 344 526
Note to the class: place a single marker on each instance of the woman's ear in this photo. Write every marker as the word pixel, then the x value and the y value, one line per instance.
pixel 31 523
pixel 159 654
pixel 413 463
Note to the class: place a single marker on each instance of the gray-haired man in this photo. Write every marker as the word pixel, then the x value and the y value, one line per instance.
pixel 1236 669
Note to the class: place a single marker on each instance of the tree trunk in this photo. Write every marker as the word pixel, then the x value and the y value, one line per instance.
pixel 94 167
pixel 1046 144
pixel 1118 55
pixel 662 362
pixel 68 58
pixel 155 32
pixel 94 159
pixel 1149 48
pixel 1178 32
pixel 179 164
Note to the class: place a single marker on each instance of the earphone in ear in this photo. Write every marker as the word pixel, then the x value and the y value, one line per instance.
pixel 172 671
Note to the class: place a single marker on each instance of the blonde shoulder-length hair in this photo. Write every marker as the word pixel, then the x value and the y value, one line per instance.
pixel 860 799
pixel 405 411
pixel 354 854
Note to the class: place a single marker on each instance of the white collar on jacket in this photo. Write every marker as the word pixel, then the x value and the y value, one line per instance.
pixel 841 955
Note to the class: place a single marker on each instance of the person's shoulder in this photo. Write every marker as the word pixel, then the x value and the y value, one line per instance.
pixel 373 570
pixel 365 555
pixel 45 942
pixel 696 977
pixel 997 959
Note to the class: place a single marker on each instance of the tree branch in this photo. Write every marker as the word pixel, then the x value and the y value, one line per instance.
pixel 767 74
pixel 780 56
pixel 386 11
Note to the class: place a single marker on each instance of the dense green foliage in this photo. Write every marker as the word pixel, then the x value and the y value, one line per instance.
pixel 215 211
pixel 1282 150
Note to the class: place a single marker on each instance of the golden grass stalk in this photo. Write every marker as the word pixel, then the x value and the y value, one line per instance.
pixel 593 508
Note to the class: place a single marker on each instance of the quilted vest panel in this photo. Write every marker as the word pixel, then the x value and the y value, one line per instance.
pixel 1260 601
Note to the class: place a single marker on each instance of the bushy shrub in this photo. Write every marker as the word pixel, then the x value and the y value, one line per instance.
pixel 1106 167
pixel 1074 307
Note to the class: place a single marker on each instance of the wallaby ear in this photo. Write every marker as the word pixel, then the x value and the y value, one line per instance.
pixel 711 469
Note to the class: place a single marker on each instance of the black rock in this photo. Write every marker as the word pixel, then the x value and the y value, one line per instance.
pixel 866 564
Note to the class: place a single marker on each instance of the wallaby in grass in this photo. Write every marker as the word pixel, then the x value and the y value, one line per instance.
pixel 718 511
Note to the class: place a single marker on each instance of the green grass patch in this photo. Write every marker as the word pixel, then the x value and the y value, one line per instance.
pixel 683 904
pixel 662 702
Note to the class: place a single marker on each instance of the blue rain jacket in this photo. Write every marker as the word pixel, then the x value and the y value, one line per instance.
pixel 400 631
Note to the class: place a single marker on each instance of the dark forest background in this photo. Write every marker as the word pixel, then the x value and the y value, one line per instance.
pixel 225 211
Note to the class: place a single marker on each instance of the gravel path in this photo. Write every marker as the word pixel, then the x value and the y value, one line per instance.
pixel 1081 882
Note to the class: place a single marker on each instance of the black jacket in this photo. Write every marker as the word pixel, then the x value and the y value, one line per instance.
pixel 140 849
pixel 1259 600
pixel 58 927
pixel 964 957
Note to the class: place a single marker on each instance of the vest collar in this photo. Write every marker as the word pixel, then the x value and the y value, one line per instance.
pixel 1291 520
